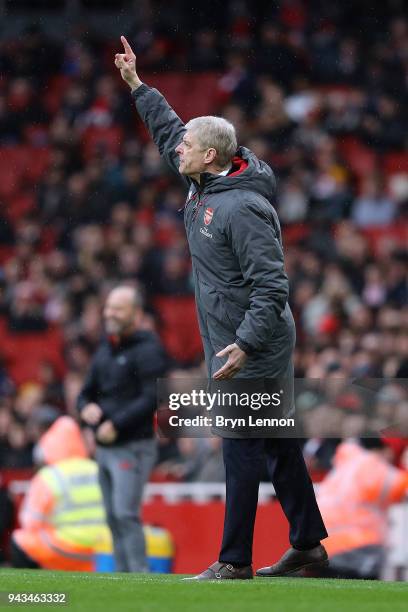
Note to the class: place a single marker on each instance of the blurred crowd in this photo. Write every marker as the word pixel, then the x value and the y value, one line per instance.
pixel 317 90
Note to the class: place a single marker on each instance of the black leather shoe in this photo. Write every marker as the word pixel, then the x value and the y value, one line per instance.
pixel 224 571
pixel 295 560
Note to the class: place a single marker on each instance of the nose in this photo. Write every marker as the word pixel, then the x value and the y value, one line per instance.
pixel 178 149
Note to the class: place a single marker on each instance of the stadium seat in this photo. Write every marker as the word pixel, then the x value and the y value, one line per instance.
pixel 21 164
pixel 36 163
pixel 397 233
pixel 5 253
pixel 191 95
pixel 179 327
pixel 25 352
pixel 360 159
pixel 55 91
pixel 11 171
pixel 395 163
pixel 19 206
pixel 295 232
pixel 107 138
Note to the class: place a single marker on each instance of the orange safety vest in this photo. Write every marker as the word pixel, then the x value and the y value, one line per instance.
pixel 62 517
pixel 354 497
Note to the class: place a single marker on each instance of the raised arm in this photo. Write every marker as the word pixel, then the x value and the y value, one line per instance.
pixel 164 125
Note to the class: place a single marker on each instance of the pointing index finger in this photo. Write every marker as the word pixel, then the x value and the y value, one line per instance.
pixel 126 46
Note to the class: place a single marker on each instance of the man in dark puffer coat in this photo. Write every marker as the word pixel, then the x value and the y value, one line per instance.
pixel 241 291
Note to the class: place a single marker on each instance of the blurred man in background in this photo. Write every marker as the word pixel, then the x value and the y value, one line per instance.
pixel 62 517
pixel 118 401
pixel 354 498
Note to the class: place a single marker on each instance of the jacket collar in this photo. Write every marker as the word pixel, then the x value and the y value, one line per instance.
pixel 115 341
pixel 238 166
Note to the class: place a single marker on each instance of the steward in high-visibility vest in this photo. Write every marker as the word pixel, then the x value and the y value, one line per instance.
pixel 353 500
pixel 62 517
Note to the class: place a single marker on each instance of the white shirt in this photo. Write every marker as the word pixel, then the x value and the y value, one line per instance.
pixel 224 172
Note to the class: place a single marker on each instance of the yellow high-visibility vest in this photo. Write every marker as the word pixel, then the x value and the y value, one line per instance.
pixel 79 515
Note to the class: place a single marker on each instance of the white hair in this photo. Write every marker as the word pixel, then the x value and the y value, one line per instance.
pixel 217 133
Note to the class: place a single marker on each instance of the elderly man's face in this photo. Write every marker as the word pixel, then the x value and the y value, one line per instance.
pixel 120 313
pixel 192 158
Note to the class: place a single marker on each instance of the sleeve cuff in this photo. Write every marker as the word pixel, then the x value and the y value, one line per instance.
pixel 244 346
pixel 139 90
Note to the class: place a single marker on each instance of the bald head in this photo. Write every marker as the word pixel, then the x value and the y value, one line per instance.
pixel 126 294
pixel 122 311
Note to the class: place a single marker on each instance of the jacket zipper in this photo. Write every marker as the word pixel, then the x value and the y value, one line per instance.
pixel 191 199
pixel 196 198
pixel 197 205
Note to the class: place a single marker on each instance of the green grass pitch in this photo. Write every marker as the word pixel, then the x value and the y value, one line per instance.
pixel 166 592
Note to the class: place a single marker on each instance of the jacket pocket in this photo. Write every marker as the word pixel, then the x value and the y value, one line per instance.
pixel 233 311
pixel 216 311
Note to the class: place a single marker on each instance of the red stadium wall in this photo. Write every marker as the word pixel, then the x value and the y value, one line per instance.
pixel 197 529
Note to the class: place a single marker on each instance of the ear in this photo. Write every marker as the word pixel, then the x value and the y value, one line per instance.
pixel 210 156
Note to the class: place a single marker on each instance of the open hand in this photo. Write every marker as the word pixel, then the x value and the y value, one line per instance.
pixel 126 62
pixel 236 360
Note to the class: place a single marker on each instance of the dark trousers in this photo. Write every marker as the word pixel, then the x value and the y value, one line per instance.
pixel 244 461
